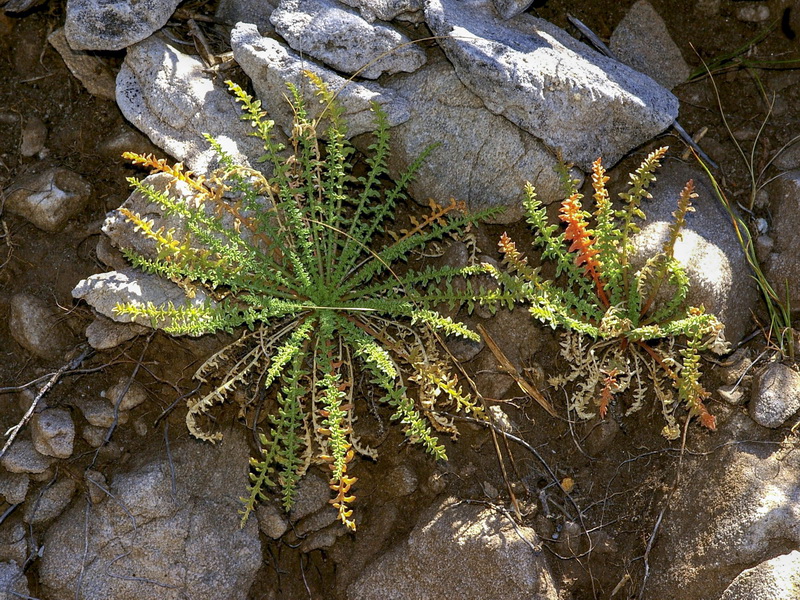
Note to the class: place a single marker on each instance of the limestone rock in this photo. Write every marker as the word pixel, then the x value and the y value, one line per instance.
pixel 87 67
pixel 49 197
pixel 162 544
pixel 642 42
pixel 574 99
pixel 479 158
pixel 709 250
pixel 774 579
pixel 53 432
pixel 114 24
pixel 776 395
pixel 272 65
pixel 343 40
pixel 34 325
pixel 465 543
pixel 168 96
pixel 388 10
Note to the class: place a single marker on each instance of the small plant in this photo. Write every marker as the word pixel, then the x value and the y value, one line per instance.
pixel 622 325
pixel 297 258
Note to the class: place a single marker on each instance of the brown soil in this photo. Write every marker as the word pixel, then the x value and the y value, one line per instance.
pixel 621 491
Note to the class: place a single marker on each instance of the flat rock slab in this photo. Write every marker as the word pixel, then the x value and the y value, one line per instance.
pixel 48 197
pixel 113 25
pixel 480 158
pixel 153 541
pixel 105 291
pixel 344 40
pixel 576 100
pixel 642 41
pixel 454 543
pixel 170 97
pixel 271 65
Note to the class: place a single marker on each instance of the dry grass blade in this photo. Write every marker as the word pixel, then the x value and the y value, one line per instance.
pixel 506 365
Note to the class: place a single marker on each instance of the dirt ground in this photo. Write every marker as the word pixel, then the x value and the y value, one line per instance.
pixel 620 491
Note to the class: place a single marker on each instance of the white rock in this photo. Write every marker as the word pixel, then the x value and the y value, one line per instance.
pixel 388 10
pixel 776 395
pixel 48 198
pixel 344 40
pixel 53 432
pixel 105 290
pixel 168 96
pixel 480 158
pixel 774 579
pixel 272 65
pixel 114 24
pixel 511 8
pixel 531 72
pixel 87 67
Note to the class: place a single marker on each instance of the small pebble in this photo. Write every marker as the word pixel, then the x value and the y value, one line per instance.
pixel 48 198
pixel 135 394
pixel 99 413
pixel 753 13
pixel 14 487
pixel 22 457
pixel 95 484
pixel 53 432
pixel 272 521
pixel 34 325
pixel 34 136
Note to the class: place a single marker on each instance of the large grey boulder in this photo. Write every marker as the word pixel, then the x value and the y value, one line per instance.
pixel 738 505
pixel 171 98
pixel 776 395
pixel 480 158
pixel 774 579
pixel 576 100
pixel 460 550
pixel 157 537
pixel 344 40
pixel 719 275
pixel 271 65
pixel 114 24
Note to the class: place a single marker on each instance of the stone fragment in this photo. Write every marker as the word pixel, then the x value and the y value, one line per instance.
pixel 53 432
pixel 172 531
pixel 742 507
pixel 708 249
pixel 388 10
pixel 88 68
pixel 783 265
pixel 14 487
pixel 172 99
pixel 50 503
pixel 96 485
pixel 34 135
pixel 272 65
pixel 753 13
pixel 93 435
pixel 343 40
pixel 317 521
pixel 134 394
pixel 467 543
pixel 48 197
pixel 642 42
pixel 114 24
pixel 272 521
pixel 34 326
pixel 774 579
pixel 534 74
pixel 105 290
pixel 479 158
pixel 776 395
pixel 511 8
pixel 255 12
pixel 103 333
pixel 324 538
pixel 13 543
pixel 401 481
pixel 13 583
pixel 99 412
pixel 22 457
pixel 312 495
